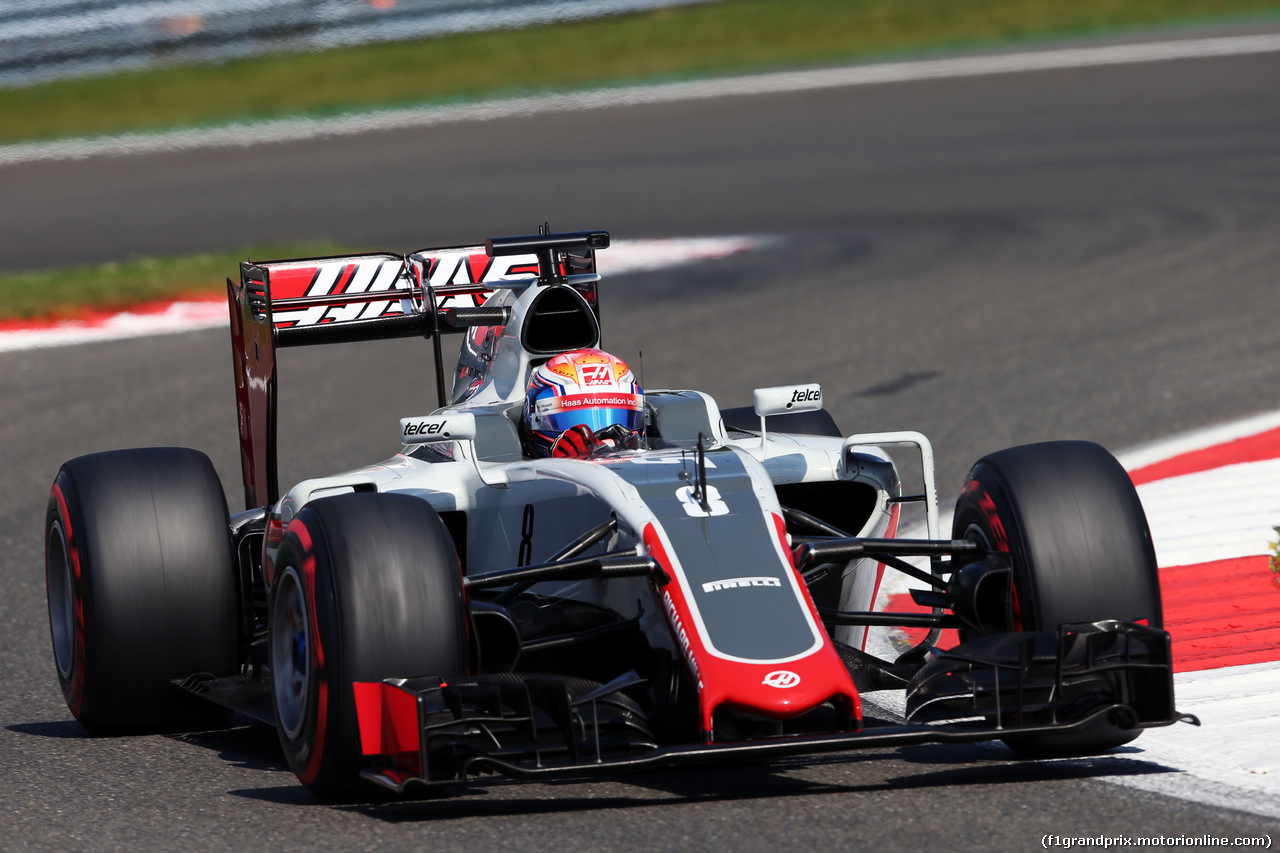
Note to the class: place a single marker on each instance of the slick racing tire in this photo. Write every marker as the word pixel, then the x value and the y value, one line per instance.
pixel 1071 521
pixel 141 588
pixel 366 586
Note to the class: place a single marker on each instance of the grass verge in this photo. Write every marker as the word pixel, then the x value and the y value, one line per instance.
pixel 719 37
pixel 74 292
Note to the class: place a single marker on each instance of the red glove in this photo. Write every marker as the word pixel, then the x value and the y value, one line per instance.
pixel 575 442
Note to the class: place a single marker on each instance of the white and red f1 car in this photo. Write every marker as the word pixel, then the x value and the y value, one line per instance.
pixel 462 609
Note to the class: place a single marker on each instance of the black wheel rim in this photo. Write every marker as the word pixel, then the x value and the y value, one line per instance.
pixel 60 582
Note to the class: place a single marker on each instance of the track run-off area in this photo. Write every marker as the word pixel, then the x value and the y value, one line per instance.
pixel 1050 251
pixel 1212 502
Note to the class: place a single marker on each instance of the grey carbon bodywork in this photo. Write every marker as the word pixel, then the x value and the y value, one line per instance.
pixel 739 546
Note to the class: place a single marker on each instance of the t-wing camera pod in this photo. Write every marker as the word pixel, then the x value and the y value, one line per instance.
pixel 546 247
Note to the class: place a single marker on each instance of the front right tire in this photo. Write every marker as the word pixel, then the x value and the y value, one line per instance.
pixel 141 588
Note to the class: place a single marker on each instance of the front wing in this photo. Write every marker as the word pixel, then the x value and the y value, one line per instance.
pixel 425 732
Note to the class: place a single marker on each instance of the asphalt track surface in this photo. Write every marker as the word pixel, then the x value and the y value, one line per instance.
pixel 993 260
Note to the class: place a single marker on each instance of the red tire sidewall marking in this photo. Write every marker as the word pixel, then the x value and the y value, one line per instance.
pixel 315 650
pixel 988 506
pixel 999 533
pixel 73 689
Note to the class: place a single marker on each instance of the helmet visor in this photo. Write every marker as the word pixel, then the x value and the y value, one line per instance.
pixel 598 410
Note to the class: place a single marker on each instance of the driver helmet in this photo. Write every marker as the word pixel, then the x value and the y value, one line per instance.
pixel 583 402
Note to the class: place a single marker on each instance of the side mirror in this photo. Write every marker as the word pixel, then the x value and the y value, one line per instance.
pixel 788 398
pixel 782 399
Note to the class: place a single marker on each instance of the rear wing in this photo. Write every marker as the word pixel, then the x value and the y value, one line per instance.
pixel 376 296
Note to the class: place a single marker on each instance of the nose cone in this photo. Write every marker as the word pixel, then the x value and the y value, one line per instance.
pixel 779 691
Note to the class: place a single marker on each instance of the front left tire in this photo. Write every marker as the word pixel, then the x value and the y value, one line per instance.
pixel 365 586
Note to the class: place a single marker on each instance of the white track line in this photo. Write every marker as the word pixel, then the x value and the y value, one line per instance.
pixel 294 129
pixel 176 317
pixel 1159 451
pixel 1219 514
pixel 1236 744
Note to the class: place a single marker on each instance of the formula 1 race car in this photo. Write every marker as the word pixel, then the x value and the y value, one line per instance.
pixel 696 584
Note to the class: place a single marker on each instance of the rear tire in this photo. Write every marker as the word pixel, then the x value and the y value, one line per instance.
pixel 141 588
pixel 366 587
pixel 1070 519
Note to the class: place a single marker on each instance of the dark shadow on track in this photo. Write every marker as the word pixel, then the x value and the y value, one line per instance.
pixel 735 783
pixel 250 745
pixel 53 729
pixel 1018 772
pixel 285 795
pixel 988 751
pixel 899 384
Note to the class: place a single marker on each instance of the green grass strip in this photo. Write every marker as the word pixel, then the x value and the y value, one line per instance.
pixel 721 37
pixel 68 293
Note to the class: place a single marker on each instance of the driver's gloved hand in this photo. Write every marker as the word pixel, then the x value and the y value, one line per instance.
pixel 575 443
pixel 581 441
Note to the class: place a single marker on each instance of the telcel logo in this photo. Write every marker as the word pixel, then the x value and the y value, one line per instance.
pixel 426 428
pixel 782 679
pixel 805 395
